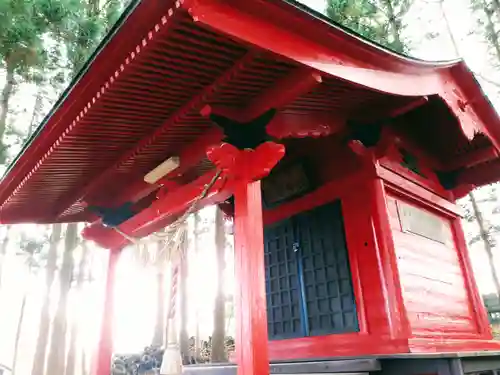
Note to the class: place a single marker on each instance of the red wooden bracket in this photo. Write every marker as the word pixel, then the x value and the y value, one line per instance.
pixel 385 148
pixel 246 165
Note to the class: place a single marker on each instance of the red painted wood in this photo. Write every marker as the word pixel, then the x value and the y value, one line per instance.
pixel 397 315
pixel 450 345
pixel 410 188
pixel 141 21
pixel 188 157
pixel 299 82
pixel 433 285
pixel 428 180
pixel 105 344
pixel 335 345
pixel 125 97
pixel 250 296
pixel 196 101
pixel 324 194
pixel 288 35
pixel 365 262
pixel 477 304
pixel 161 213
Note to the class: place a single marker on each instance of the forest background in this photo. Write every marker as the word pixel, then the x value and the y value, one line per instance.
pixel 51 281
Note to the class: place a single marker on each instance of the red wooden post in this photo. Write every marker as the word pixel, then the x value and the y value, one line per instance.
pixel 250 297
pixel 105 347
pixel 398 320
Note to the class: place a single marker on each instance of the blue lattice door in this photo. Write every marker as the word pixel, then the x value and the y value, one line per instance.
pixel 308 279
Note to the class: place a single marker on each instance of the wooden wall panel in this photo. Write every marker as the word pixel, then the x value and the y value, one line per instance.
pixel 433 284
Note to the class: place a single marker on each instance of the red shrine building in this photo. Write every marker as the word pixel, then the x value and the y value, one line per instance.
pixel 339 160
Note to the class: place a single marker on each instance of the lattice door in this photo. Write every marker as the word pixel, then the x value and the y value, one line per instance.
pixel 308 279
pixel 329 297
pixel 282 287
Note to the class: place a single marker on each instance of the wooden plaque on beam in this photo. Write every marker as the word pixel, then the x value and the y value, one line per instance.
pixel 286 183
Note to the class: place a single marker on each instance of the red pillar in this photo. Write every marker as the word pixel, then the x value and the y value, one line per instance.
pixel 250 297
pixel 105 346
pixel 396 311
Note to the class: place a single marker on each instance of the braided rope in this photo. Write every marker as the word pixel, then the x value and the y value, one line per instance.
pixel 173 233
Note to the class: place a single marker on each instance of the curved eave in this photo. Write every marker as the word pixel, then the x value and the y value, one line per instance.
pixel 315 41
pixel 121 27
pixel 365 43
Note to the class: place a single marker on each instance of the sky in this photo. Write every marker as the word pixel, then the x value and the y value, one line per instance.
pixel 317 5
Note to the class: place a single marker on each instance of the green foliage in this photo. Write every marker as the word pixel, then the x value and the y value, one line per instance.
pixel 86 28
pixel 488 26
pixel 377 20
pixel 357 15
pixel 25 25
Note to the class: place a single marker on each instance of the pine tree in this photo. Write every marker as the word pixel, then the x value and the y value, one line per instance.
pixel 43 331
pixel 3 249
pixel 489 26
pixel 88 24
pixel 377 20
pixel 487 230
pixel 56 363
pixel 74 331
pixel 31 249
pixel 25 24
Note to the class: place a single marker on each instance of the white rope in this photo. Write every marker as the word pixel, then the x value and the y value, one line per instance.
pixel 173 233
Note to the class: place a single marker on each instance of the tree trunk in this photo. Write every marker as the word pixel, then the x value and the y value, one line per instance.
pixel 219 334
pixel 491 30
pixel 57 355
pixel 485 238
pixel 446 20
pixel 3 251
pixel 72 352
pixel 36 109
pixel 18 332
pixel 7 92
pixel 394 25
pixel 84 363
pixel 183 292
pixel 197 341
pixel 43 332
pixel 158 338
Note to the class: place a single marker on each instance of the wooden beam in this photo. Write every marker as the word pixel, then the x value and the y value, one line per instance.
pixel 472 158
pixel 161 213
pixel 274 30
pixel 297 83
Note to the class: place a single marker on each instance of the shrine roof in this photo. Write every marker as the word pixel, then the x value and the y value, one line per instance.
pixel 139 98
